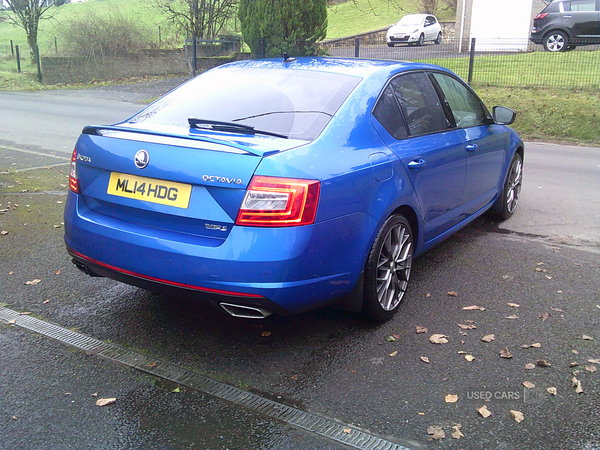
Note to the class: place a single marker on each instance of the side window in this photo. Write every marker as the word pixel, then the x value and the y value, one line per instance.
pixel 419 104
pixel 387 112
pixel 466 108
pixel 587 5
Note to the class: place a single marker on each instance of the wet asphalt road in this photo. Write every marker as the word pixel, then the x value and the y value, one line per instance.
pixel 545 259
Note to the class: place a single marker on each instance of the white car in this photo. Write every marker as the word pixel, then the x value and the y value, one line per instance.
pixel 415 29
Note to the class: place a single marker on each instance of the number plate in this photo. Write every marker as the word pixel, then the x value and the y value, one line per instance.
pixel 150 190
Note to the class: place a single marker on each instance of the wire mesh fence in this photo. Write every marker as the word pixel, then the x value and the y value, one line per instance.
pixel 494 62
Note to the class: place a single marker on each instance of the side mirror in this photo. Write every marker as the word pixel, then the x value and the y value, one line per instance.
pixel 503 115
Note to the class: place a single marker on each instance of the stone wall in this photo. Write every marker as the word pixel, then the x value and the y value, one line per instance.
pixel 57 70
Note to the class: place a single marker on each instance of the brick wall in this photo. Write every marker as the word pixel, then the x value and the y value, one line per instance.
pixel 156 62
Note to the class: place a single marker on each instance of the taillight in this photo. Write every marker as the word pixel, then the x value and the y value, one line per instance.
pixel 73 179
pixel 279 202
pixel 540 16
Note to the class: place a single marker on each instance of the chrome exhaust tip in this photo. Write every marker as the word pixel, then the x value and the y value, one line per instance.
pixel 245 312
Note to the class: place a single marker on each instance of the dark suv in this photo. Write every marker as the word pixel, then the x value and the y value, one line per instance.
pixel 565 24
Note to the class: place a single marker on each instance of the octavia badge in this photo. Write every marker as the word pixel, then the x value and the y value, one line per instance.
pixel 141 159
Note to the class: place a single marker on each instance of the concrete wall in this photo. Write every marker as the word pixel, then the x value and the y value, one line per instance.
pixel 464 18
pixel 57 70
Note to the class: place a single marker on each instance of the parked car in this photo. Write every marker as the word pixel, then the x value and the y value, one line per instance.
pixel 565 24
pixel 284 186
pixel 415 29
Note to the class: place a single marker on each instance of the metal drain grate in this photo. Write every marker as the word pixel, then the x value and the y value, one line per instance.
pixel 325 427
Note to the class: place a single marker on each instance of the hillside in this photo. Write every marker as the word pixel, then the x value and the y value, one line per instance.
pixel 344 19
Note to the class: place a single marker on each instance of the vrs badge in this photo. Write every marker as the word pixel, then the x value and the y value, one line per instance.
pixel 141 159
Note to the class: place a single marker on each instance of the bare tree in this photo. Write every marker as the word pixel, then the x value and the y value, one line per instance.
pixel 198 18
pixel 27 14
pixel 427 6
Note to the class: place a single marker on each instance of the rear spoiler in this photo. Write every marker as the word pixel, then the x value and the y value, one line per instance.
pixel 136 134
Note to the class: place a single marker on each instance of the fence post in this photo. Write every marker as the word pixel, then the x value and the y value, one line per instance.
pixel 39 65
pixel 471 61
pixel 262 48
pixel 356 47
pixel 12 48
pixel 159 38
pixel 18 59
pixel 55 45
pixel 194 56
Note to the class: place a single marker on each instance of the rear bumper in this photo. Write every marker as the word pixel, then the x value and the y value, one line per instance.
pixel 283 270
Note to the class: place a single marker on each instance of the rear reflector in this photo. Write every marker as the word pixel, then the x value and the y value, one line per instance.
pixel 279 202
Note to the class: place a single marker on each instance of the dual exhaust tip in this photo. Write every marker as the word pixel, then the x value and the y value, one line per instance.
pixel 245 312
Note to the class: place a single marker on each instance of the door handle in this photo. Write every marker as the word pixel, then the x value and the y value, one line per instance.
pixel 472 147
pixel 417 164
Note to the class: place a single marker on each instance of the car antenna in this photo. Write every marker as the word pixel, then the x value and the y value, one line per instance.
pixel 288 58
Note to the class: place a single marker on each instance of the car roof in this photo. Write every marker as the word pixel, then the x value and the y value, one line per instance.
pixel 362 68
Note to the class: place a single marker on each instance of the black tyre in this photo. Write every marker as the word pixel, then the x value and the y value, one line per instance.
pixel 556 41
pixel 388 269
pixel 421 40
pixel 390 44
pixel 438 39
pixel 507 203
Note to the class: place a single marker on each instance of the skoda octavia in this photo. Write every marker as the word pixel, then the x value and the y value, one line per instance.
pixel 282 186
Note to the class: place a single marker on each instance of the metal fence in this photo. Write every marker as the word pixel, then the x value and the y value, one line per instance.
pixel 493 62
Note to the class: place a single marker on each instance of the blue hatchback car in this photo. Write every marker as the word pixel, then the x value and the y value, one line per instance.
pixel 282 186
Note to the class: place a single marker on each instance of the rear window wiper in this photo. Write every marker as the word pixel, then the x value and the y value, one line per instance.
pixel 229 127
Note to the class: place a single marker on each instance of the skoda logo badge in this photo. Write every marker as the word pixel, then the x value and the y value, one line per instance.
pixel 141 159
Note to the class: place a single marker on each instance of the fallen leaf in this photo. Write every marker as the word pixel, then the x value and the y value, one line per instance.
pixel 438 339
pixel 427 295
pixel 529 366
pixel 14 417
pixel 46 301
pixel 176 390
pixel 421 413
pixel 451 398
pixel 543 363
pixel 575 352
pixel 457 434
pixel 552 391
pixel 587 338
pixel 266 333
pixel 453 294
pixel 421 329
pixel 105 401
pixel 577 385
pixel 528 384
pixel 376 361
pixel 488 338
pixel 514 305
pixel 473 308
pixel 152 365
pixel 544 317
pixel 11 322
pixel 390 338
pixel 517 415
pixel 347 430
pixel 33 282
pixel 512 317
pixel 469 358
pixel 557 309
pixel 11 273
pixel 594 361
pixel 536 345
pixel 591 369
pixel 574 364
pixel 3 233
pixel 484 412
pixel 56 226
pixel 467 327
pixel 294 377
pixel 57 272
pixel 393 354
pixel 425 359
pixel 504 353
pixel 25 313
pixel 397 336
pixel 436 432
